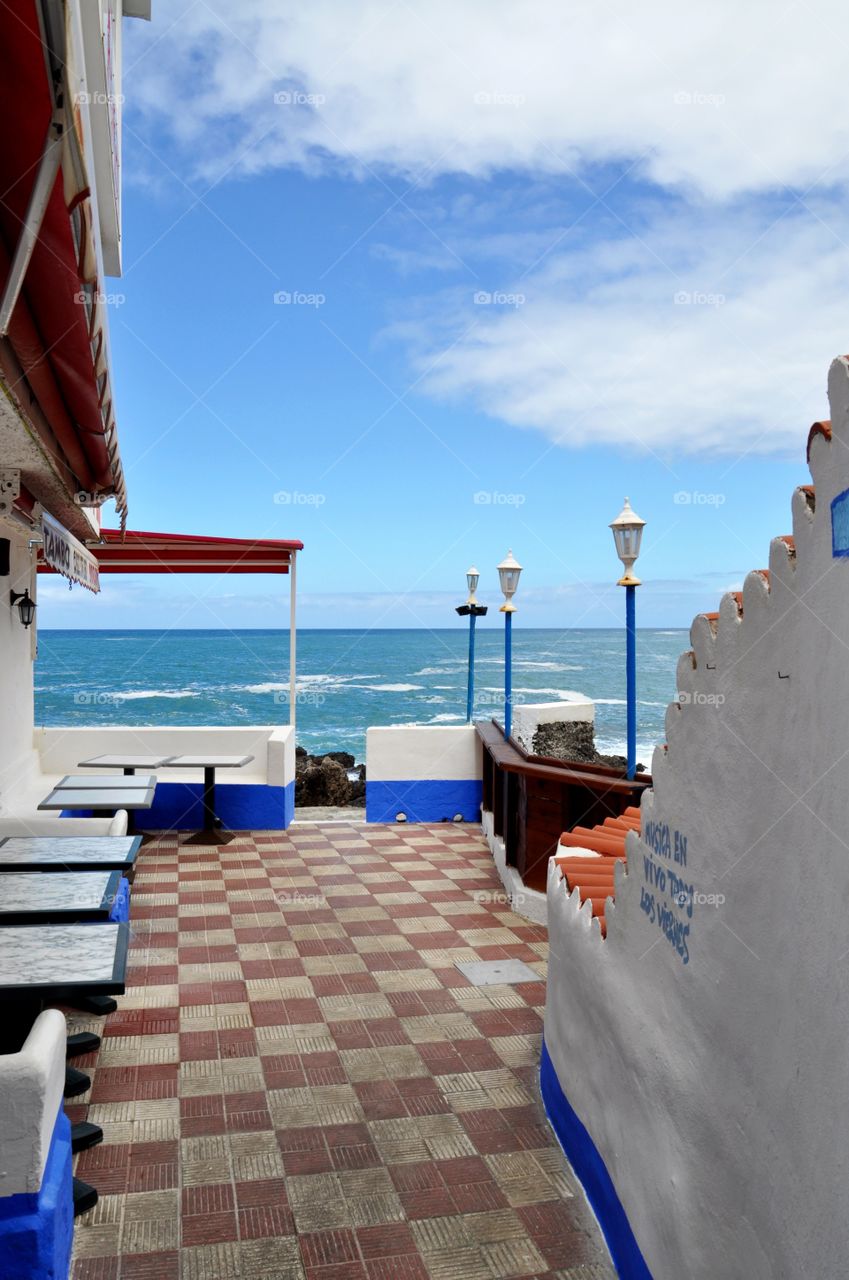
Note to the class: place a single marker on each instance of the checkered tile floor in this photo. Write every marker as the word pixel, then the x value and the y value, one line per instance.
pixel 299 1082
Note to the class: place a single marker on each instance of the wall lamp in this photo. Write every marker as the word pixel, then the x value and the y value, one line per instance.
pixel 26 606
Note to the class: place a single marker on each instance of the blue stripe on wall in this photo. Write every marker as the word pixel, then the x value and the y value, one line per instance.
pixel 584 1157
pixel 37 1229
pixel 435 800
pixel 241 806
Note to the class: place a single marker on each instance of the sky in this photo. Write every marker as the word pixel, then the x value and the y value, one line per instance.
pixel 419 283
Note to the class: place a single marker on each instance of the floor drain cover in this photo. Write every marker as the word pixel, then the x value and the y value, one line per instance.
pixel 490 973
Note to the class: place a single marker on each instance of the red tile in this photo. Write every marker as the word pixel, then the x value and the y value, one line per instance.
pixel 151 1266
pixel 386 1241
pixel 209 1228
pixel 325 1248
pixel 463 1169
pixel 263 1220
pixel 420 1176
pixel 436 1202
pixel 406 1267
pixel 215 1197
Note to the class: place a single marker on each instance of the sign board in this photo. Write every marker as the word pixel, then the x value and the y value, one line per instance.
pixel 64 553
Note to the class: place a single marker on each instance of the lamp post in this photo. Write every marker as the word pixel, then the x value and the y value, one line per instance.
pixel 627 535
pixel 508 576
pixel 473 610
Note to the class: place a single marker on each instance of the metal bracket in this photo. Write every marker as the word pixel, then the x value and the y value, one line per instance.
pixel 781 677
pixel 10 488
pixel 42 187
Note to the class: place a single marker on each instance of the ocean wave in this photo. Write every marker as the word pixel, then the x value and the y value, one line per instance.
pixel 528 664
pixel 132 695
pixel 392 688
pixel 610 702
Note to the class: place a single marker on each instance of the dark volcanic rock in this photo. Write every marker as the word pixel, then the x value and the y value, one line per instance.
pixel 344 758
pixel 574 740
pixel 327 780
pixel 566 740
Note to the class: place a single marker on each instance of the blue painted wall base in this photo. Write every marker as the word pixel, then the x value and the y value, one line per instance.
pixel 583 1156
pixel 428 801
pixel 120 912
pixel 37 1230
pixel 241 806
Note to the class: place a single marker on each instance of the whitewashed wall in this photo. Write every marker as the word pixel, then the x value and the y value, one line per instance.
pixel 16 695
pixel 705 1044
pixel 427 773
pixel 61 748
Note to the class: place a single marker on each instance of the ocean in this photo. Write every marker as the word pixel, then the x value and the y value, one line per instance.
pixel 347 680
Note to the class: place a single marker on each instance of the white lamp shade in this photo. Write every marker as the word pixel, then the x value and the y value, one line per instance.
pixel 472 578
pixel 508 576
pixel 627 535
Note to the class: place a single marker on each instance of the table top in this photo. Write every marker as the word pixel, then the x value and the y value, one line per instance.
pixel 107 798
pixel 38 958
pixel 207 762
pixel 122 762
pixel 30 897
pixel 60 853
pixel 105 782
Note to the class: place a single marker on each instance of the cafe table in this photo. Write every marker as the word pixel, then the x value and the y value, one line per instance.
pixel 209 763
pixel 69 853
pixel 67 897
pixel 129 763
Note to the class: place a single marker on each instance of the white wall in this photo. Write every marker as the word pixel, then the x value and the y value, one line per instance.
pixel 273 748
pixel 713 1072
pixel 530 715
pixel 423 752
pixel 16 667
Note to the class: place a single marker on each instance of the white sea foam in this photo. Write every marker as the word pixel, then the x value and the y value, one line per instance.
pixel 392 688
pixel 132 694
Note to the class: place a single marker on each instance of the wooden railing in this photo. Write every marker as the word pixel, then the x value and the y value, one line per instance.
pixel 533 799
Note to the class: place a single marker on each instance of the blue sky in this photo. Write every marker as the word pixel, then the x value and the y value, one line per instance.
pixel 415 307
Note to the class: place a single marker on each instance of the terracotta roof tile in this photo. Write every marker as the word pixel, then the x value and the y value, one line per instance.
pixel 818 429
pixel 592 874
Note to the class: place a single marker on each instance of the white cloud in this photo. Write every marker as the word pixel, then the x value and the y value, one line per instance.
pixel 720 98
pixel 723 114
pixel 700 336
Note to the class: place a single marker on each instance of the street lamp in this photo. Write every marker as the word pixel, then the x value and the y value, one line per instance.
pixel 627 535
pixel 508 576
pixel 473 610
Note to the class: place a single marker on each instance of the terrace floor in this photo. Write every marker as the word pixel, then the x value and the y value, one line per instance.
pixel 299 1082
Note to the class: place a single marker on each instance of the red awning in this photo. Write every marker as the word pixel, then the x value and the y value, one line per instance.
pixel 59 356
pixel 137 552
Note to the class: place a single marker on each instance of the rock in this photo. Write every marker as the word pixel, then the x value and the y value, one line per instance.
pixel 326 780
pixel 321 782
pixel 566 740
pixel 344 758
pixel 574 740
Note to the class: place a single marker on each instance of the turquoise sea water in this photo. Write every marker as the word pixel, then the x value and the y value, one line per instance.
pixel 347 680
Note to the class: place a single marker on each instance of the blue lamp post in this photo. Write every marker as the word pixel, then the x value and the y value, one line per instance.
pixel 508 576
pixel 627 534
pixel 472 610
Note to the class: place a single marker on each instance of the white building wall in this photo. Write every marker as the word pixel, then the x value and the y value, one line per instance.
pixel 16 667
pixel 705 1044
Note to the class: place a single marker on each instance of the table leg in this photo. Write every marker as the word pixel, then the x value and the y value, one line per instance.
pixel 209 799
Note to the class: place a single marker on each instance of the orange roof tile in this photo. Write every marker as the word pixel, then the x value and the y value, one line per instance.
pixel 818 429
